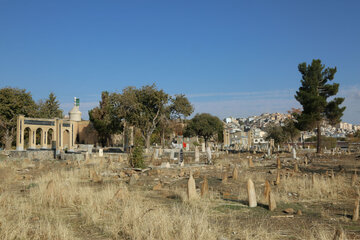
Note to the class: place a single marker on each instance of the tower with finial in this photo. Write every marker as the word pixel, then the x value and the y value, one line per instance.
pixel 75 114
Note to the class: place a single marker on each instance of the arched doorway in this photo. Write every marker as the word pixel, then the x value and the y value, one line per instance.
pixel 50 137
pixel 38 139
pixel 27 132
pixel 66 139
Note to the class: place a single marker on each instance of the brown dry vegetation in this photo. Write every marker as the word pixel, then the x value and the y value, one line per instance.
pixel 63 200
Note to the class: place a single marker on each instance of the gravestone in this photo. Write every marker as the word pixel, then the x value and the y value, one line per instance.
pixel 235 174
pixel 172 154
pixel 156 153
pixel 101 152
pixel 197 154
pixel 204 188
pixel 294 153
pixel 251 193
pixel 272 202
pixel 208 155
pixel 203 147
pixel 191 188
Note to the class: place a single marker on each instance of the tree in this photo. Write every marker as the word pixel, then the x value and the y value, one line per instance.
pixel 204 125
pixel 13 102
pixel 277 133
pixel 180 107
pixel 290 130
pixel 104 118
pixel 50 108
pixel 143 108
pixel 313 95
pixel 136 156
pixel 282 134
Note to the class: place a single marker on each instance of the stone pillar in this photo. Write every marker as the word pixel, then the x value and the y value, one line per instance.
pixel 32 139
pixel 20 133
pixel 43 139
pixel 59 135
pixel 72 137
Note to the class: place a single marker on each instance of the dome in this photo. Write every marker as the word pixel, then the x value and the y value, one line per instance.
pixel 75 114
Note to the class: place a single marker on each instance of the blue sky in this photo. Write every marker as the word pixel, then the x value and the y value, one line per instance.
pixel 231 58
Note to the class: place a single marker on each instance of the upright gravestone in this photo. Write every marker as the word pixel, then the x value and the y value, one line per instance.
pixel 101 152
pixel 181 156
pixel 269 152
pixel 251 193
pixel 197 154
pixel 294 153
pixel 203 147
pixel 187 147
pixel 191 188
pixel 172 154
pixel 208 155
pixel 156 153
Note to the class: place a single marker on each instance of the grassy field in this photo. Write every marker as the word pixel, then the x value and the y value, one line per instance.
pixel 99 199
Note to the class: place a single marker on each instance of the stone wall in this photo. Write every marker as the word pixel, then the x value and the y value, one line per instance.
pixel 33 154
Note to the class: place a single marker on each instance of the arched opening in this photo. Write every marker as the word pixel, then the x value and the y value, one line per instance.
pixel 66 139
pixel 38 137
pixel 50 137
pixel 26 137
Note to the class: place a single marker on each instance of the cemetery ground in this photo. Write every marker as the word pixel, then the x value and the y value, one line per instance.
pixel 103 199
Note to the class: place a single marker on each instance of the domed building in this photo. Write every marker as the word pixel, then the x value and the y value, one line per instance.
pixel 55 133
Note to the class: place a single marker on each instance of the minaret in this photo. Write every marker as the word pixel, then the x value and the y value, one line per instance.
pixel 75 114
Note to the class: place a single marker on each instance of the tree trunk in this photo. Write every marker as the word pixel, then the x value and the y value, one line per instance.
pixel 163 138
pixel 318 143
pixel 147 140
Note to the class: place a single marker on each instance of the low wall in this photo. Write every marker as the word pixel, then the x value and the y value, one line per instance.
pixel 33 154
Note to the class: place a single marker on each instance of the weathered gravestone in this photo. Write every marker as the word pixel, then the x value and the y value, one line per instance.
pixel 208 155
pixel 251 193
pixel 197 154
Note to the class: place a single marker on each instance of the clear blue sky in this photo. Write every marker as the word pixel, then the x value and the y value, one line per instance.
pixel 231 58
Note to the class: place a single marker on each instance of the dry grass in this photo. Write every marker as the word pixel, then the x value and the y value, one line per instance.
pixel 63 203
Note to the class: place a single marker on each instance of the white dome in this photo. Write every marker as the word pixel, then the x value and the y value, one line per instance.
pixel 75 114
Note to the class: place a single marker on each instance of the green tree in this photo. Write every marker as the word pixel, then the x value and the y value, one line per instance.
pixel 204 125
pixel 290 130
pixel 50 108
pixel 313 95
pixel 13 102
pixel 136 156
pixel 277 133
pixel 104 118
pixel 143 108
pixel 180 107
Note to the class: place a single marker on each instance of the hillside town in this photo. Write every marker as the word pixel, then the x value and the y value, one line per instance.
pixel 246 133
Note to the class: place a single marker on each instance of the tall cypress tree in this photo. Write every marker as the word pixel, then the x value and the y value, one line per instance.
pixel 313 96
